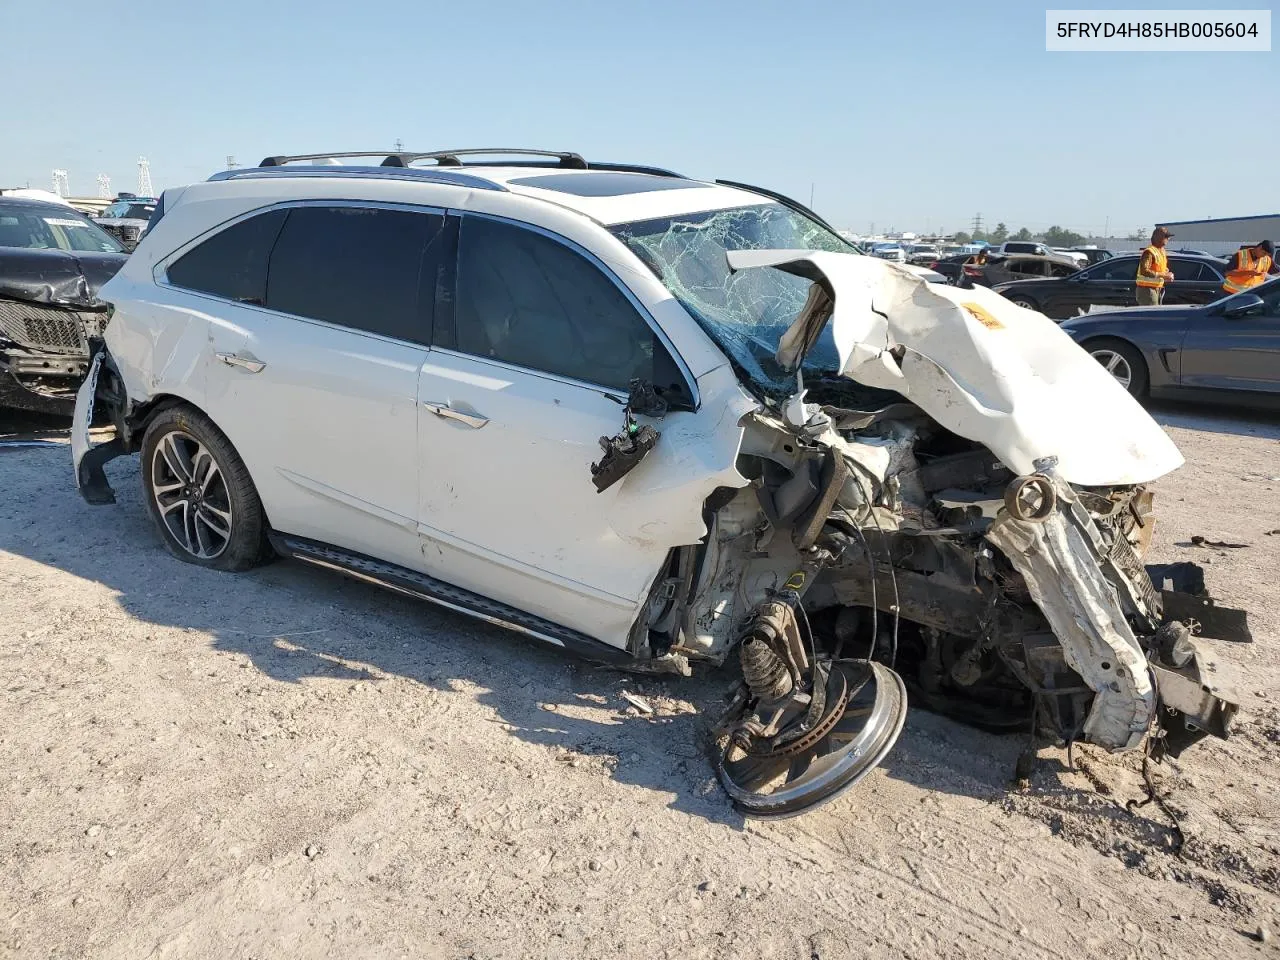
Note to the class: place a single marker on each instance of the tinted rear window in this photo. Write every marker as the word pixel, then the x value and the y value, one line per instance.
pixel 360 267
pixel 1117 268
pixel 232 263
pixel 1191 270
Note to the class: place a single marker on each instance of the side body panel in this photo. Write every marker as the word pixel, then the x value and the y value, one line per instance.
pixel 1222 353
pixel 327 427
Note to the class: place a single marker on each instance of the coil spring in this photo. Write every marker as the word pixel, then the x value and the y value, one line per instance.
pixel 763 670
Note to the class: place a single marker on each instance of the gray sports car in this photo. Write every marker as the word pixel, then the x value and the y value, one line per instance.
pixel 1228 350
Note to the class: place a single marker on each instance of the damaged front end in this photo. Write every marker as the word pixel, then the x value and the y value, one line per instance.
pixel 969 541
pixel 49 313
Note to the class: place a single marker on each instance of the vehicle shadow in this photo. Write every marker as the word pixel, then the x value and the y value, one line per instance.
pixel 24 425
pixel 1217 419
pixel 296 623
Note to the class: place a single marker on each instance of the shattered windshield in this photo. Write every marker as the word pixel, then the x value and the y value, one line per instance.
pixel 746 312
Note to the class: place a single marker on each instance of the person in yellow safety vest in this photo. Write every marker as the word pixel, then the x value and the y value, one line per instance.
pixel 1249 267
pixel 979 259
pixel 1153 269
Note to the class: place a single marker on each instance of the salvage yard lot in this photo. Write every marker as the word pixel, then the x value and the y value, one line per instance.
pixel 286 763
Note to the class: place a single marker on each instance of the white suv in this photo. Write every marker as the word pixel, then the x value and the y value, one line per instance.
pixel 578 400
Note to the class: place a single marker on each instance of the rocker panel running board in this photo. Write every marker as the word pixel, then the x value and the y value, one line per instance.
pixel 420 586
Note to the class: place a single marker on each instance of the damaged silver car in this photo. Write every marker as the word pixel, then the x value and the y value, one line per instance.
pixel 659 422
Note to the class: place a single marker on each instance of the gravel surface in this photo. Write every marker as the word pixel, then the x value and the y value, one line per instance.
pixel 289 764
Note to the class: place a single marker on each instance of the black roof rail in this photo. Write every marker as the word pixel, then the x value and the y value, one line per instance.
pixel 451 176
pixel 282 160
pixel 453 158
pixel 636 168
pixel 443 158
pixel 450 158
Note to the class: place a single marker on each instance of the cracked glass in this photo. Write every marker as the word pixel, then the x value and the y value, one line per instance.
pixel 746 312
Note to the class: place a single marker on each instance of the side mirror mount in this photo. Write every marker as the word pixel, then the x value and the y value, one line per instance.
pixel 1242 305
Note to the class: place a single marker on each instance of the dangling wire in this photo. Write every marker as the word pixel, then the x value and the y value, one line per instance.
pixel 893 577
pixel 1152 796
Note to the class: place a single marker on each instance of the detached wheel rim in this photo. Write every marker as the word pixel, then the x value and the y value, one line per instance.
pixel 1116 365
pixel 868 703
pixel 191 495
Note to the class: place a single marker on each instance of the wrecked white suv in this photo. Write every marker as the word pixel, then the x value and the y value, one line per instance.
pixel 655 421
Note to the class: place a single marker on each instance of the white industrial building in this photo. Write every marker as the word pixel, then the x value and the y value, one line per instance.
pixel 1224 236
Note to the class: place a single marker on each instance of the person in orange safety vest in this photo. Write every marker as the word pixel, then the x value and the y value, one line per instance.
pixel 1153 269
pixel 1249 267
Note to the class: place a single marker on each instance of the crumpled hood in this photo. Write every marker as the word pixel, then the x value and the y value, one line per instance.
pixel 985 369
pixel 56 277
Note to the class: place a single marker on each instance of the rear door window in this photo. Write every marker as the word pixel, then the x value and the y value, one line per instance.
pixel 366 268
pixel 1118 268
pixel 1027 268
pixel 1190 270
pixel 233 262
pixel 526 299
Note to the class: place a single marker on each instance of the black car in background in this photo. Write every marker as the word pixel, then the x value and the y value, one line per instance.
pixel 1113 283
pixel 1228 350
pixel 53 261
pixel 1093 254
pixel 1000 268
pixel 951 267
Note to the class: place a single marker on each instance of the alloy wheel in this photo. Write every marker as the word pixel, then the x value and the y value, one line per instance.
pixel 1116 365
pixel 191 495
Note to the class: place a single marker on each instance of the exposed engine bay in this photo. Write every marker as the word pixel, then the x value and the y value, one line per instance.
pixel 876 554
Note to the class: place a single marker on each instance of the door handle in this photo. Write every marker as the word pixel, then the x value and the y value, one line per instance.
pixel 235 360
pixel 444 410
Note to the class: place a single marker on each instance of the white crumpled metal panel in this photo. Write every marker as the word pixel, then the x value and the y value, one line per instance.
pixel 985 369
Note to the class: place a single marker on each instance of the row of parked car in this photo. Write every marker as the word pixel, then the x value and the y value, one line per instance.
pixel 1061 289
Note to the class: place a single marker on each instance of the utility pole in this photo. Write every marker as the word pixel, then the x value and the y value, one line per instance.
pixel 811 186
pixel 104 187
pixel 399 145
pixel 977 224
pixel 60 185
pixel 231 162
pixel 1106 231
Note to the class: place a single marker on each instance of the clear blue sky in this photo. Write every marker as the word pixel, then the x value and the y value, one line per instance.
pixel 916 114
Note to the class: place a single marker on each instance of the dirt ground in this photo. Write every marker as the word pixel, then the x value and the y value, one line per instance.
pixel 289 764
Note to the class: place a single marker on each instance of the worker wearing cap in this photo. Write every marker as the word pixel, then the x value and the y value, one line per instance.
pixel 1153 269
pixel 1249 267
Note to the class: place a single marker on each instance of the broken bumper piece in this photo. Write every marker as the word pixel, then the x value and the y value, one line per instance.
pixel 91 479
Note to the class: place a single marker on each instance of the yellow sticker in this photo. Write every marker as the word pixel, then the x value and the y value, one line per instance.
pixel 795 581
pixel 984 318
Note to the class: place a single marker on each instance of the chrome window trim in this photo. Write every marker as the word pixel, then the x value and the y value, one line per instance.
pixel 691 382
pixel 613 393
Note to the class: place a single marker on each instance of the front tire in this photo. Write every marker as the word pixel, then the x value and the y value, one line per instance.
pixel 199 492
pixel 1124 362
